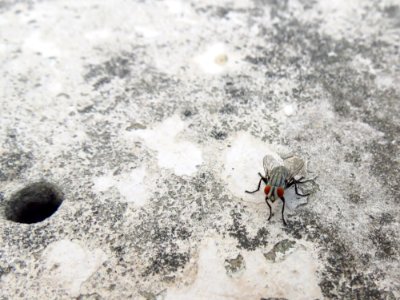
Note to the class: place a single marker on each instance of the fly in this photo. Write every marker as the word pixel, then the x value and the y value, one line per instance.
pixel 277 179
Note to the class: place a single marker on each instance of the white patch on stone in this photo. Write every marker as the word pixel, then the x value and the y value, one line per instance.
pixel 385 81
pixel 133 188
pixel 99 34
pixel 53 86
pixel 130 185
pixel 176 7
pixel 293 277
pixel 2 50
pixel 36 43
pixel 289 109
pixel 147 32
pixel 182 157
pixel 212 282
pixel 187 154
pixel 103 183
pixel 216 59
pixel 67 265
pixel 63 138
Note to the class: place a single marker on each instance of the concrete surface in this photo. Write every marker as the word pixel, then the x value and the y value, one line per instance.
pixel 151 118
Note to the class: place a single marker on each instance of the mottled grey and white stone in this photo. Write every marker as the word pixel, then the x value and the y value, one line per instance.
pixel 151 119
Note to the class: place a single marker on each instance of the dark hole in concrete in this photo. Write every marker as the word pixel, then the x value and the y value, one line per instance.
pixel 34 203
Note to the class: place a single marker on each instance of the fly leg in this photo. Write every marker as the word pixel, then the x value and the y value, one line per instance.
pixel 300 180
pixel 297 192
pixel 295 183
pixel 283 209
pixel 258 188
pixel 290 183
pixel 259 184
pixel 270 211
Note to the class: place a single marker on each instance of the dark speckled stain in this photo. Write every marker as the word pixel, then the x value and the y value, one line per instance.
pixel 115 67
pixel 354 156
pixel 32 238
pixel 276 6
pixel 386 167
pixel 105 214
pixel 87 109
pixel 168 234
pixel 241 91
pixel 138 80
pixel 218 134
pixel 382 238
pixel 239 231
pixel 4 270
pixel 236 92
pixel 341 265
pixel 257 60
pixel 355 198
pixel 91 296
pixel 222 12
pixel 235 265
pixel 214 11
pixel 6 5
pixel 149 295
pixel 166 263
pixel 228 109
pixel 168 259
pixel 393 12
pixel 187 113
pixel 385 219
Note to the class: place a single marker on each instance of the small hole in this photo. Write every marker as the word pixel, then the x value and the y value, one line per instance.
pixel 34 203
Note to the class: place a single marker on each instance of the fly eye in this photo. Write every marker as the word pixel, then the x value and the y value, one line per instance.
pixel 280 191
pixel 267 189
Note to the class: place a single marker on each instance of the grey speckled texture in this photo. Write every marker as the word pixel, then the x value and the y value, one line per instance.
pixel 152 118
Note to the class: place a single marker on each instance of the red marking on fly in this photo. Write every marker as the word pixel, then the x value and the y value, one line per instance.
pixel 280 191
pixel 267 189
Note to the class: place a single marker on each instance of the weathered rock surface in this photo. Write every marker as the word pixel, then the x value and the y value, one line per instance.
pixel 151 118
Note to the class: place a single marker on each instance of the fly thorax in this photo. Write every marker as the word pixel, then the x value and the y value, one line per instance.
pixel 278 176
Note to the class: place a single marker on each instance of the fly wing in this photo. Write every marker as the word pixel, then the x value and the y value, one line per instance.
pixel 269 163
pixel 294 165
